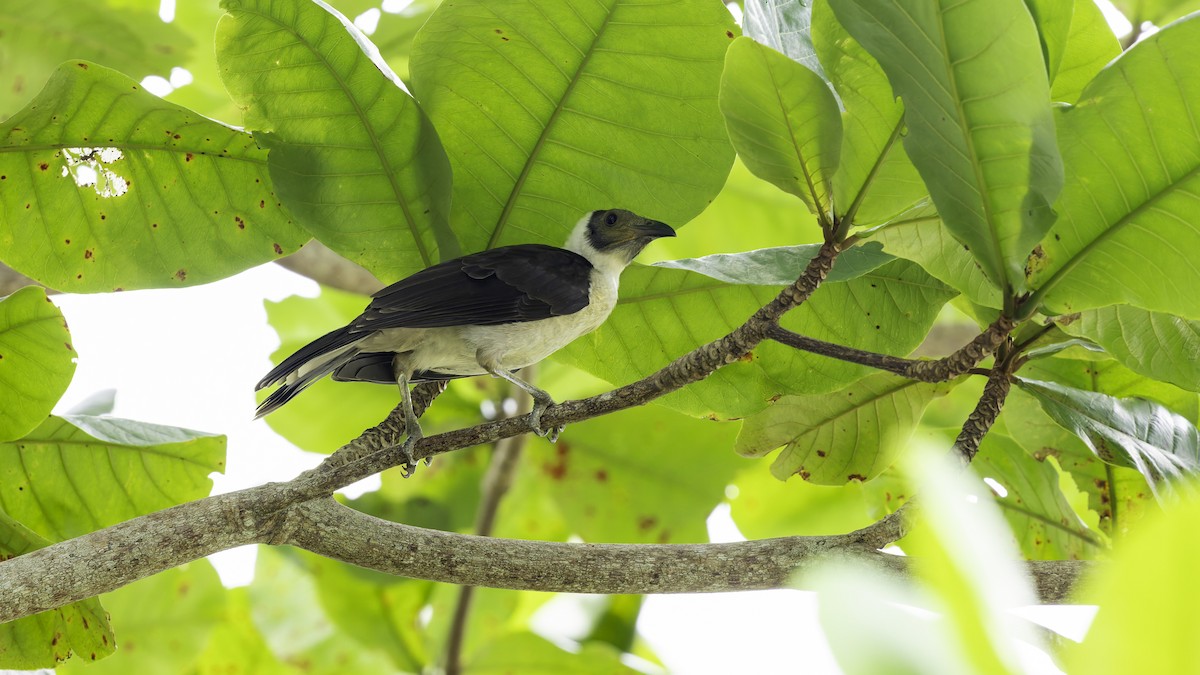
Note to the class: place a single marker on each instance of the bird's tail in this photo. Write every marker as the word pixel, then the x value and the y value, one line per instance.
pixel 309 364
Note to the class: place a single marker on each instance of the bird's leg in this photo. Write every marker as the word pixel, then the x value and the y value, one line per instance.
pixel 412 426
pixel 541 401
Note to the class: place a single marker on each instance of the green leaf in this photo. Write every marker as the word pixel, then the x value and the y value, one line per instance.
pixel 46 638
pixel 1132 154
pixel 664 313
pixel 1155 11
pixel 39 35
pixel 979 127
pixel 531 654
pixel 1152 574
pixel 778 266
pixel 352 155
pixel 237 648
pixel 1157 345
pixel 36 360
pixel 287 611
pixel 664 498
pixel 785 26
pixel 1119 496
pixel 849 435
pixel 1112 378
pixel 1053 20
pixel 119 189
pixel 551 110
pixel 1090 46
pixel 162 622
pixel 75 473
pixel 1131 432
pixel 924 240
pixel 875 180
pixel 1042 520
pixel 763 506
pixel 783 122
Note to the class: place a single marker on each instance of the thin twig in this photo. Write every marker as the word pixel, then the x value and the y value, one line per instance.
pixel 937 370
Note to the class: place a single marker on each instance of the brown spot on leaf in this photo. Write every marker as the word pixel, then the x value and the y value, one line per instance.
pixel 729 34
pixel 68 346
pixel 804 474
pixel 748 357
pixel 82 65
pixel 43 166
pixel 820 453
pixel 87 255
pixel 601 475
pixel 240 223
pixel 188 156
pixel 858 477
pixel 154 225
pixel 176 136
pixel 85 621
pixel 558 469
pixel 181 275
pixel 278 249
pixel 67 242
pixel 262 204
pixel 647 523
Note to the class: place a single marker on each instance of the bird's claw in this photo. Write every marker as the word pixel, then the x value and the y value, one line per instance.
pixel 535 421
pixel 409 467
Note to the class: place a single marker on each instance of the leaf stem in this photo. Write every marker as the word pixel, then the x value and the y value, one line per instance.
pixel 847 219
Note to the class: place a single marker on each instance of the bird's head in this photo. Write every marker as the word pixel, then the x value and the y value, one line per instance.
pixel 615 234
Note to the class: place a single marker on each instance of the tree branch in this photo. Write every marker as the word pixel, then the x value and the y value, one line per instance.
pixel 937 370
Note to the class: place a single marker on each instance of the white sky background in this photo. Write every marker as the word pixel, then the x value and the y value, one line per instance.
pixel 191 357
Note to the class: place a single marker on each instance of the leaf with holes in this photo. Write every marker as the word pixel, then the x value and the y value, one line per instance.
pixel 852 434
pixel 783 122
pixel 352 155
pixel 107 187
pixel 551 110
pixel 603 461
pixel 76 473
pixel 1132 150
pixel 39 35
pixel 1041 518
pixel 46 638
pixel 980 130
pixel 1157 345
pixel 664 313
pixel 875 180
pixel 36 360
pixel 1131 432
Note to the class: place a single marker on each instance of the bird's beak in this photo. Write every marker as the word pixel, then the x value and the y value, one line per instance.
pixel 653 229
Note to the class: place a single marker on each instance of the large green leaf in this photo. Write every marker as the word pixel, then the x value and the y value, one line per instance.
pixel 763 506
pixel 286 610
pixel 783 122
pixel 76 473
pixel 109 187
pixel 1157 345
pixel 980 131
pixel 1132 151
pixel 162 622
pixel 236 647
pixel 1155 11
pixel 36 360
pixel 352 155
pixel 664 313
pixel 37 35
pixel 665 495
pixel 924 240
pixel 1042 520
pixel 1132 432
pixel 785 26
pixel 44 639
pixel 1053 19
pixel 852 434
pixel 1090 46
pixel 1153 574
pixel 875 180
pixel 551 110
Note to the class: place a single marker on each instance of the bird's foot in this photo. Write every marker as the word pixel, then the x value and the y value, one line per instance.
pixel 535 420
pixel 409 467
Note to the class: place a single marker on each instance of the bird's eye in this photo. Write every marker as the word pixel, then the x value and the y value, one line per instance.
pixel 611 219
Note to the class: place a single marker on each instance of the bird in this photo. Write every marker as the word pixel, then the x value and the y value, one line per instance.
pixel 488 313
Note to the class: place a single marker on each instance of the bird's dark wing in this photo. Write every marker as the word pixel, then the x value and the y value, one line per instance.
pixel 510 284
